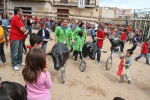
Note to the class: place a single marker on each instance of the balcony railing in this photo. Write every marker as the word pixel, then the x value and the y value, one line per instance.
pixel 88 3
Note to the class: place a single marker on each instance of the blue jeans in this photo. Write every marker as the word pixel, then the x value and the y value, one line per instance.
pixel 16 52
pixel 98 54
pixel 30 30
pixel 2 54
pixel 44 46
pixel 145 55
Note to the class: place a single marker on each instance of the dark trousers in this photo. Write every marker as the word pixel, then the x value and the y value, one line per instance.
pixel 24 46
pixel 134 47
pixel 131 39
pixel 76 54
pixel 93 38
pixel 2 54
pixel 98 54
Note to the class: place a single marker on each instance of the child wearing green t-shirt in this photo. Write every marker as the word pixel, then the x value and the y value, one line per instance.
pixel 78 44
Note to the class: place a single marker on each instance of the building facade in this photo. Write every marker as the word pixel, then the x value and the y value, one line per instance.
pixel 106 13
pixel 123 13
pixel 58 6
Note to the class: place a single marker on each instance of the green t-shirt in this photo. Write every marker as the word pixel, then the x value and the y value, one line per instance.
pixel 78 44
pixel 63 35
pixel 75 33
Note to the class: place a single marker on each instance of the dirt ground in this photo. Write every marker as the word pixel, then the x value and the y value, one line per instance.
pixel 95 83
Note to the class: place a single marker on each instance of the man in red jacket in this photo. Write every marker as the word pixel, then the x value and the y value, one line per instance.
pixel 100 38
pixel 144 51
pixel 16 37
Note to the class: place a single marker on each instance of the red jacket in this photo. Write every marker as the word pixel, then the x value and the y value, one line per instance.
pixel 123 36
pixel 144 48
pixel 15 33
pixel 100 34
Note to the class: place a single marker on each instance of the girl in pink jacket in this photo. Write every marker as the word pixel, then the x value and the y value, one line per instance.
pixel 36 76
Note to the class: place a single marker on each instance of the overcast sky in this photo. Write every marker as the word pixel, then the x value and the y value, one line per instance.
pixel 134 4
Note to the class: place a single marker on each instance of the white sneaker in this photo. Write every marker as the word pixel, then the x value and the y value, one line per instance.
pixel 75 61
pixel 96 61
pixel 16 68
pixel 22 64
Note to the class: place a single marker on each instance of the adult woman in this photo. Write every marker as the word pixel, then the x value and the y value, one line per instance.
pixel 5 23
pixel 63 33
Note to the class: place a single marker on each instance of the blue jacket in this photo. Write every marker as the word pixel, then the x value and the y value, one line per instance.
pixel 92 32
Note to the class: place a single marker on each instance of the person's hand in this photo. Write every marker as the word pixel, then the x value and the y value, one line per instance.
pixel 45 70
pixel 123 64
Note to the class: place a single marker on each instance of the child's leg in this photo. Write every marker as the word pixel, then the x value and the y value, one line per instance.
pixel 147 59
pixel 136 58
pixel 80 55
pixel 76 55
pixel 128 76
pixel 121 79
pixel 2 52
pixel 134 47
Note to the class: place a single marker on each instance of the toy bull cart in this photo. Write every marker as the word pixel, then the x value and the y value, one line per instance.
pixel 116 49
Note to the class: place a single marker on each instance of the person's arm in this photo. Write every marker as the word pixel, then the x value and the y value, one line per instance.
pixel 56 33
pixel 48 81
pixel 102 37
pixel 128 64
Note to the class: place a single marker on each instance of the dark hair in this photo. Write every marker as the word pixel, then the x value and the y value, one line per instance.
pixel 101 27
pixel 34 38
pixel 3 16
pixel 12 91
pixel 147 39
pixel 35 63
pixel 82 23
pixel 80 33
pixel 130 51
pixel 64 19
pixel 0 22
pixel 125 30
pixel 59 23
pixel 118 98
pixel 16 9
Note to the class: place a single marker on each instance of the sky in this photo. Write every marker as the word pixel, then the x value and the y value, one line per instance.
pixel 134 4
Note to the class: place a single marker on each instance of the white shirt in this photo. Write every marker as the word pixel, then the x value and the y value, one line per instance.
pixel 96 26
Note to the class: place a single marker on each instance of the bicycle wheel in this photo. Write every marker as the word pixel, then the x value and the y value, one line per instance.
pixel 82 66
pixel 109 63
pixel 63 78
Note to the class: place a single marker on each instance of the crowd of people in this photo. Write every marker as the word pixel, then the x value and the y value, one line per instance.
pixel 35 73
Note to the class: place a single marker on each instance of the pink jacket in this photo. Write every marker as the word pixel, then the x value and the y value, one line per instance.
pixel 40 90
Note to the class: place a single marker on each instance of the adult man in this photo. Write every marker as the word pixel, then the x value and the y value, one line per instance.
pixel 100 38
pixel 75 25
pixel 17 31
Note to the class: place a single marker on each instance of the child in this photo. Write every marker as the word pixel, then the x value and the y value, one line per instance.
pixel 131 35
pixel 2 41
pixel 100 38
pixel 36 76
pixel 135 41
pixel 44 34
pixel 92 33
pixel 144 51
pixel 35 41
pixel 78 44
pixel 127 63
pixel 124 36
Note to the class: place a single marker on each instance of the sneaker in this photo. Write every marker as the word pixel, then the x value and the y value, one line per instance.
pixel 16 68
pixel 121 81
pixel 129 82
pixel 96 62
pixel 22 64
pixel 136 59
pixel 75 61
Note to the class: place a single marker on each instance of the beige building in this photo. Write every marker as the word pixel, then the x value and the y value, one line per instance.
pixel 123 13
pixel 59 6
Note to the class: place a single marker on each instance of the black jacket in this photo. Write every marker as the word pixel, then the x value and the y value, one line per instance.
pixel 40 33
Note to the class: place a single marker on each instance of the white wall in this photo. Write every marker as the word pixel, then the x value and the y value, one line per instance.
pixel 107 13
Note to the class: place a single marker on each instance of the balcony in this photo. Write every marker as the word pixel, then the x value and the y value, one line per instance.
pixel 74 3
